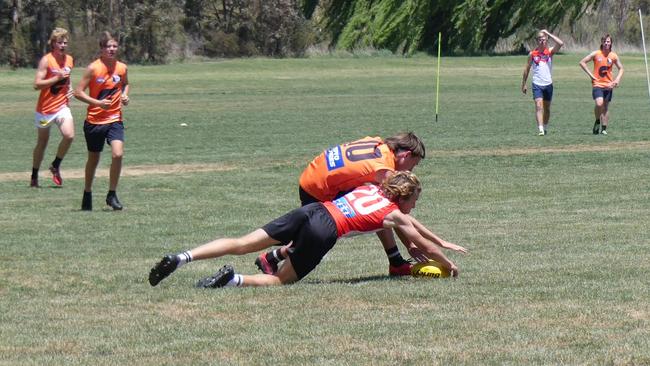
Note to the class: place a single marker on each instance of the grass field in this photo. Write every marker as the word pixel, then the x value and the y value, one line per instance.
pixel 557 226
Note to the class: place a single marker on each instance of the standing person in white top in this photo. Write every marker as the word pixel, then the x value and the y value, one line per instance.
pixel 541 61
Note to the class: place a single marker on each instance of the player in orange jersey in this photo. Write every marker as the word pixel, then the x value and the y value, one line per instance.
pixel 541 60
pixel 53 81
pixel 107 81
pixel 342 168
pixel 602 81
pixel 314 229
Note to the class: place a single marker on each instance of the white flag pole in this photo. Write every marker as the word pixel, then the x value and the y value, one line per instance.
pixel 645 54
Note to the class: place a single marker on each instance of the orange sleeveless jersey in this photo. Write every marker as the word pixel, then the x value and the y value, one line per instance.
pixel 361 211
pixel 52 99
pixel 106 84
pixel 603 69
pixel 344 167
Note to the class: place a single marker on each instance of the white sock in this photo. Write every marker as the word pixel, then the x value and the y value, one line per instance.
pixel 541 128
pixel 183 258
pixel 236 281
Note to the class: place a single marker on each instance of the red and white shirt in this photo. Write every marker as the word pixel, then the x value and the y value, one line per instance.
pixel 542 63
pixel 361 211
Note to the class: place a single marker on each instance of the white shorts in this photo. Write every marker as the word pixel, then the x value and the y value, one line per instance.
pixel 46 120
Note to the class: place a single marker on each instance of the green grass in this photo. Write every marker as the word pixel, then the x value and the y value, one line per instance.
pixel 557 226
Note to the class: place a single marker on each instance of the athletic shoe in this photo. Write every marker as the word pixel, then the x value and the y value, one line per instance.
pixel 112 201
pixel 164 268
pixel 402 270
pixel 265 266
pixel 56 175
pixel 603 132
pixel 596 129
pixel 87 201
pixel 34 183
pixel 541 133
pixel 219 279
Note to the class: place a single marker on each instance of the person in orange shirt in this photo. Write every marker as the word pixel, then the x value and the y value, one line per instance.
pixel 53 81
pixel 602 82
pixel 107 81
pixel 314 229
pixel 341 168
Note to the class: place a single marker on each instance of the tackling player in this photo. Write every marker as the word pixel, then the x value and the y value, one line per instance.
pixel 314 229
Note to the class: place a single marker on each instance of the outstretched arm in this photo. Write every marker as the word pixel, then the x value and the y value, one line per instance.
pixel 403 224
pixel 427 234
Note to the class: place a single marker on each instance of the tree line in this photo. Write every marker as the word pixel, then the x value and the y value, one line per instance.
pixel 159 31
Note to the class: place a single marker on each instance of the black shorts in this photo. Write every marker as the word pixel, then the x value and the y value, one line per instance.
pixel 604 93
pixel 97 134
pixel 313 233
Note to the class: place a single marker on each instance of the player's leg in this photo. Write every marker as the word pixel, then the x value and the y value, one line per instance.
pixel 115 138
pixel 94 135
pixel 548 97
pixel 42 138
pixel 252 242
pixel 66 127
pixel 597 94
pixel 397 265
pixel 539 115
pixel 604 117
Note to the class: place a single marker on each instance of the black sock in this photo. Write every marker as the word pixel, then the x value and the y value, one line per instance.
pixel 597 122
pixel 394 257
pixel 34 173
pixel 111 194
pixel 603 128
pixel 275 256
pixel 57 162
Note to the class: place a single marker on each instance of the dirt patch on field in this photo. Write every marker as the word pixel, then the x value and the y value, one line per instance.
pixel 614 146
pixel 141 170
pixel 130 171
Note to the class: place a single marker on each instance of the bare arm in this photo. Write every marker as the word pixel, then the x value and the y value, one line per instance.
pixel 558 42
pixel 125 90
pixel 585 68
pixel 80 91
pixel 403 223
pixel 427 234
pixel 619 75
pixel 525 77
pixel 40 82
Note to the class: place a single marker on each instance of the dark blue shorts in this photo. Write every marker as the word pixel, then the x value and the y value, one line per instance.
pixel 97 134
pixel 313 232
pixel 604 93
pixel 545 92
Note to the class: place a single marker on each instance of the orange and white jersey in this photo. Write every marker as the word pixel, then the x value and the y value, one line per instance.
pixel 342 168
pixel 603 69
pixel 106 84
pixel 54 98
pixel 361 211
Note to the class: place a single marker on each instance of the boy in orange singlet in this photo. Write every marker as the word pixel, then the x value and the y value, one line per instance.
pixel 314 229
pixel 602 82
pixel 53 81
pixel 541 60
pixel 108 84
